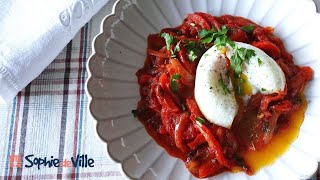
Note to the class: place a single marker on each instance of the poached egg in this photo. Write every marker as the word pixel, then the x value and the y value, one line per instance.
pixel 214 91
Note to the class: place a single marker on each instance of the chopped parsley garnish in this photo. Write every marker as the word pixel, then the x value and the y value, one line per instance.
pixel 173 82
pixel 239 90
pixel 193 50
pixel 222 41
pixel 224 86
pixel 220 37
pixel 236 62
pixel 168 39
pixel 248 28
pixel 259 61
pixel 263 89
pixel 192 56
pixel 223 30
pixel 134 112
pixel 239 82
pixel 240 55
pixel 248 54
pixel 207 36
pixel 176 49
pixel 200 120
pixel 203 33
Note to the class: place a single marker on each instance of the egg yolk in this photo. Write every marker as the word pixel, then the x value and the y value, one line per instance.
pixel 242 85
pixel 279 144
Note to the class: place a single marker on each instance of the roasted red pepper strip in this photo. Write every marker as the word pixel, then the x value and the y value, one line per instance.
pixel 268 47
pixel 197 142
pixel 211 20
pixel 212 142
pixel 180 127
pixel 158 53
pixel 197 19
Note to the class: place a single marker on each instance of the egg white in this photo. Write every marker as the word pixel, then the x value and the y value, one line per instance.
pixel 265 77
pixel 220 107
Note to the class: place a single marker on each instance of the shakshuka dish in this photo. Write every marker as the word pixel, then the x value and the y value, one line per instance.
pixel 221 94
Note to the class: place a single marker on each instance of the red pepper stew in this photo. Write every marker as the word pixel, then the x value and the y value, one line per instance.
pixel 170 117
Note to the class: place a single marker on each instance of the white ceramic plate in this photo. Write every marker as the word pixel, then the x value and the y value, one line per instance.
pixel 119 51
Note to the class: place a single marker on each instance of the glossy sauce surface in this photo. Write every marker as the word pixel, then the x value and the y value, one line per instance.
pixel 279 144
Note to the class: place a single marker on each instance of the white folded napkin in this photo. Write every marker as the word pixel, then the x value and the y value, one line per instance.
pixel 32 33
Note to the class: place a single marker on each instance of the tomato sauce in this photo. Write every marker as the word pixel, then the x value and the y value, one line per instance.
pixel 279 144
pixel 172 118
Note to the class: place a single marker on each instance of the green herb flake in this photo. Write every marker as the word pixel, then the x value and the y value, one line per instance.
pixel 223 30
pixel 207 36
pixel 231 43
pixel 236 62
pixel 221 41
pixel 176 76
pixel 203 33
pixel 259 62
pixel 134 112
pixel 224 86
pixel 200 120
pixel 168 39
pixel 192 56
pixel 173 82
pixel 175 50
pixel 239 81
pixel 239 90
pixel 241 55
pixel 246 54
pixel 249 54
pixel 248 28
pixel 263 89
pixel 207 40
pixel 242 81
pixel 193 51
pixel 220 37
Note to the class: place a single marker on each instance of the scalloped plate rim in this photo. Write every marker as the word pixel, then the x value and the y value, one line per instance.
pixel 90 97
